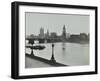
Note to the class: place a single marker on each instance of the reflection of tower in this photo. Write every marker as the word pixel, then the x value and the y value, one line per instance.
pixel 64 32
pixel 41 32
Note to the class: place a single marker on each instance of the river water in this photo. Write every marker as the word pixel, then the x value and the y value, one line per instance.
pixel 66 53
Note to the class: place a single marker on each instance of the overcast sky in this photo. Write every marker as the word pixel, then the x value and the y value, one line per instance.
pixel 74 24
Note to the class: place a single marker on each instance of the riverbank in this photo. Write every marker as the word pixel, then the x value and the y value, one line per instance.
pixel 35 61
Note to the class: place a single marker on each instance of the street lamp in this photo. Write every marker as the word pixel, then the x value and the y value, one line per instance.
pixel 31 41
pixel 52 57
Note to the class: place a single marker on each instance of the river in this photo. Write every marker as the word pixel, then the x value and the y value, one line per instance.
pixel 66 53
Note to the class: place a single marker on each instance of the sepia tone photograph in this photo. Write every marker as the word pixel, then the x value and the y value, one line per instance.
pixel 54 40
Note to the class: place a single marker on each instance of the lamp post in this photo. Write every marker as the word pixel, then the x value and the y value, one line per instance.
pixel 32 51
pixel 52 57
pixel 31 41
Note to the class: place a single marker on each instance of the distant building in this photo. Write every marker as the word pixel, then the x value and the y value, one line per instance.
pixel 84 36
pixel 47 34
pixel 64 32
pixel 74 38
pixel 67 35
pixel 79 38
pixel 41 35
pixel 53 34
pixel 32 36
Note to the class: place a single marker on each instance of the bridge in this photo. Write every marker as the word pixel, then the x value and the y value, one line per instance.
pixel 45 39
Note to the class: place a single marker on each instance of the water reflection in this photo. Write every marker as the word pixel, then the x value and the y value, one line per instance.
pixel 63 46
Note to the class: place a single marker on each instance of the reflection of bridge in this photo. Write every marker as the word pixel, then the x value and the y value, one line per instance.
pixel 45 40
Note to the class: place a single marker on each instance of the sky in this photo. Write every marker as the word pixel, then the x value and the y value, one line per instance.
pixel 74 23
